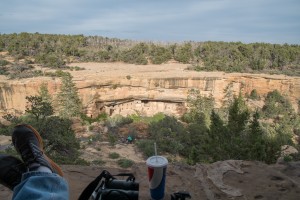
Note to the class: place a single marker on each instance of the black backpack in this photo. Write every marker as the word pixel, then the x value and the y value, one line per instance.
pixel 108 187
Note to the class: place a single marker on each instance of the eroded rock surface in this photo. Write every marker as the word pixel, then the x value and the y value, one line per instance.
pixel 119 88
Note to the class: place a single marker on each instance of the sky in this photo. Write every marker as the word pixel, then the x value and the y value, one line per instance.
pixel 247 21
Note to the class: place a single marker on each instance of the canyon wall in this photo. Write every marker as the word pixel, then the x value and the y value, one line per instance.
pixel 146 95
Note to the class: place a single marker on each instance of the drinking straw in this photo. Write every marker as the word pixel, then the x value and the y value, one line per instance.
pixel 155 150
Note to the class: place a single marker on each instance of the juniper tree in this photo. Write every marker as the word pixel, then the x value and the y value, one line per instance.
pixel 38 108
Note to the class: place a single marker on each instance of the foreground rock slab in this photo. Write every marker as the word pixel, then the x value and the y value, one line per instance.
pixel 232 179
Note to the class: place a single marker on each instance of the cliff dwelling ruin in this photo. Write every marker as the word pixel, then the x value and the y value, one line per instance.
pixel 147 107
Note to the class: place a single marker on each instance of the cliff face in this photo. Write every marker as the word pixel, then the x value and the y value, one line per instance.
pixel 121 95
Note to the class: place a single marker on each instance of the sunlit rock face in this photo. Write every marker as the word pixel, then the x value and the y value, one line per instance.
pixel 120 95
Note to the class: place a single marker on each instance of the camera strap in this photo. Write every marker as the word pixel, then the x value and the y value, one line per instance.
pixel 88 191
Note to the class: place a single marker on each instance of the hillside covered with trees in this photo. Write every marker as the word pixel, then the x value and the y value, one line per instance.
pixel 202 134
pixel 55 51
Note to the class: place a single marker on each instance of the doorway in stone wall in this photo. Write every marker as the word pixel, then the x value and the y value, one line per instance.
pixel 111 111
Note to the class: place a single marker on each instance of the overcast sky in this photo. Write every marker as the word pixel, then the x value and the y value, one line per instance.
pixel 271 21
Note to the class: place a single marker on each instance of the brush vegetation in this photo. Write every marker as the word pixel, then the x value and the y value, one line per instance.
pixel 56 51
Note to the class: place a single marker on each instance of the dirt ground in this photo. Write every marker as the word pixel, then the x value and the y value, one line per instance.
pixel 237 180
pixel 4 141
pixel 100 152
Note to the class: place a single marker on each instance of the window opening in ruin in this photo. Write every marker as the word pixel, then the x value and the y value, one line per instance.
pixel 145 101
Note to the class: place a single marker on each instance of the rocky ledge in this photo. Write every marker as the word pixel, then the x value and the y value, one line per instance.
pixel 231 179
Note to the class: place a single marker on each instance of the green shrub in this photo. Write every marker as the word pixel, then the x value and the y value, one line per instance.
pixel 90 120
pixel 184 53
pixel 159 54
pixel 114 155
pixel 51 60
pixel 155 118
pixel 287 158
pixel 277 104
pixel 254 95
pixel 4 62
pixel 112 139
pixel 3 71
pixel 60 73
pixel 76 68
pixel 98 162
pixel 125 163
pixel 91 128
pixel 26 74
pixel 59 138
pixel 125 120
pixel 136 55
pixel 5 130
pixel 65 160
pixel 57 73
pixel 80 161
pixel 27 61
pixel 146 147
pixel 166 133
pixel 118 121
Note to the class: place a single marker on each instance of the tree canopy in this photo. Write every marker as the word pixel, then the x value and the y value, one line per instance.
pixel 243 135
pixel 55 51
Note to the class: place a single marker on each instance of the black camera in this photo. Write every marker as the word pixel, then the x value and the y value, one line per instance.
pixel 122 184
pixel 117 194
pixel 115 189
pixel 180 195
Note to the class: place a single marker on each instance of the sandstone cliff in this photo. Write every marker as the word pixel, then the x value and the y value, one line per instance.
pixel 119 88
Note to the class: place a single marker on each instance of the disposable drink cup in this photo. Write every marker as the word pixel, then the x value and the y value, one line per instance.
pixel 157 168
